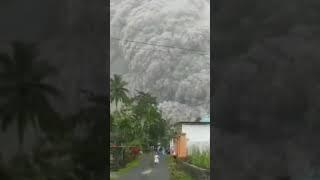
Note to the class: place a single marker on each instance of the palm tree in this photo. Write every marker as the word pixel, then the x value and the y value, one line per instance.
pixel 93 117
pixel 23 94
pixel 145 98
pixel 118 91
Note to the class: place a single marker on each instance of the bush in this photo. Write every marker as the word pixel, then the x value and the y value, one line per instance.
pixel 200 159
pixel 175 172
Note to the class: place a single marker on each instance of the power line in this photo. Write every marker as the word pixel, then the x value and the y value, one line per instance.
pixel 166 41
pixel 146 43
pixel 159 45
pixel 140 29
pixel 182 52
pixel 121 26
pixel 204 55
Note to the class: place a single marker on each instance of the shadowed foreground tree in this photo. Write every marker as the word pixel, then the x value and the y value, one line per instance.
pixel 23 92
pixel 4 170
pixel 93 119
pixel 53 159
pixel 267 88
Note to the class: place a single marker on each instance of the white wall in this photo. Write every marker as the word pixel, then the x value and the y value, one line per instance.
pixel 171 143
pixel 197 135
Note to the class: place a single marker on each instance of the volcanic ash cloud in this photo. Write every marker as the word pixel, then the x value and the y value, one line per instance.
pixel 179 77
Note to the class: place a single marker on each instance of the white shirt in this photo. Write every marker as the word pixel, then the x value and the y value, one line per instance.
pixel 156 158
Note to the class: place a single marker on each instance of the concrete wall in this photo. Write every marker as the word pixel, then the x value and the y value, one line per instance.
pixel 194 171
pixel 198 135
pixel 203 146
pixel 172 147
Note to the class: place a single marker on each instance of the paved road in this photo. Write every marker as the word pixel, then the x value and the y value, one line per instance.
pixel 148 171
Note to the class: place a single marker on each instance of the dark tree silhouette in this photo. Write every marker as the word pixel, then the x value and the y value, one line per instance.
pixel 23 92
pixel 93 117
pixel 4 170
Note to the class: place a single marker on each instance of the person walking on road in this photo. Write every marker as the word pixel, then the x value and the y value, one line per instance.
pixel 156 159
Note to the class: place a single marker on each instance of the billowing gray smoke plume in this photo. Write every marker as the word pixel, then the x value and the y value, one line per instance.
pixel 180 78
pixel 267 102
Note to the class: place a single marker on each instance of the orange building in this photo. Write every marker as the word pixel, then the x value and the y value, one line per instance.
pixel 188 135
pixel 180 146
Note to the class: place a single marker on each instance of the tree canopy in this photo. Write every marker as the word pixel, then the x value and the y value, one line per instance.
pixel 23 90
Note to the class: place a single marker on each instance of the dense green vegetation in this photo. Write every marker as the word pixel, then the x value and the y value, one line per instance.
pixel 136 120
pixel 200 159
pixel 175 172
pixel 128 167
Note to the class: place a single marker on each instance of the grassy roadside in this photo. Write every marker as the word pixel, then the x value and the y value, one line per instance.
pixel 199 159
pixel 126 169
pixel 175 172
